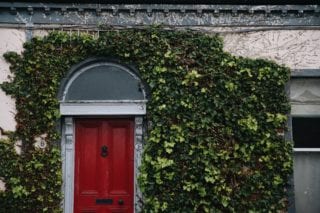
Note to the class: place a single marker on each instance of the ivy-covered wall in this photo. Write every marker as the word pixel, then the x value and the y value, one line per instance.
pixel 214 139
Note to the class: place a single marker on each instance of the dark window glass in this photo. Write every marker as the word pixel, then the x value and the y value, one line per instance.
pixel 105 82
pixel 306 132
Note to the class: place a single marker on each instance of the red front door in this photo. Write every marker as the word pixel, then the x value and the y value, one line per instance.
pixel 104 165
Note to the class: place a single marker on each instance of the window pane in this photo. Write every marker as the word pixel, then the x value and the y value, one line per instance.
pixel 306 132
pixel 105 82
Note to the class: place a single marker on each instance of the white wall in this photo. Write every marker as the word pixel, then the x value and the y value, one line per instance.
pixel 11 40
pixel 297 49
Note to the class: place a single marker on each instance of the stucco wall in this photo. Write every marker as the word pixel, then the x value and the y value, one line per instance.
pixel 11 40
pixel 298 49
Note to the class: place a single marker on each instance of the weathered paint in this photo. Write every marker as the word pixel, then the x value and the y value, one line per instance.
pixel 297 49
pixel 166 14
pixel 11 40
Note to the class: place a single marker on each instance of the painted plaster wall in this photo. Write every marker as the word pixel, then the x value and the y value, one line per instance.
pixel 298 49
pixel 11 40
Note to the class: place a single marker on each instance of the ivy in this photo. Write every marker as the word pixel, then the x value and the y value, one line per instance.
pixel 33 182
pixel 213 142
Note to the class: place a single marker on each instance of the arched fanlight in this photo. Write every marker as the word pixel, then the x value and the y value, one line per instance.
pixel 101 83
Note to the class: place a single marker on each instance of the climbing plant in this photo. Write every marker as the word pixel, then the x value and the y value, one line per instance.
pixel 214 138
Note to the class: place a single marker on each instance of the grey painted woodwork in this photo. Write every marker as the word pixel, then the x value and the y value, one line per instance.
pixel 305 73
pixel 166 14
pixel 138 149
pixel 67 152
pixel 104 108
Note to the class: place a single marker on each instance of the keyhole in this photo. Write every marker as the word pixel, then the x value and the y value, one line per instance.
pixel 104 151
pixel 120 202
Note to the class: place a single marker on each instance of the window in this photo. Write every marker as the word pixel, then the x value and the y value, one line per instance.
pixel 306 132
pixel 305 111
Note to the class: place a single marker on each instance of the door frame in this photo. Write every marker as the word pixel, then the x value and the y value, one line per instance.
pixel 68 160
pixel 101 108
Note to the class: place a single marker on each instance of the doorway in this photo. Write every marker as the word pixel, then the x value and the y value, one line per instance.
pixel 102 104
pixel 104 165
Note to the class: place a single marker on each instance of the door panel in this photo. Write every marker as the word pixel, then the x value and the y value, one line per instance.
pixel 119 183
pixel 104 165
